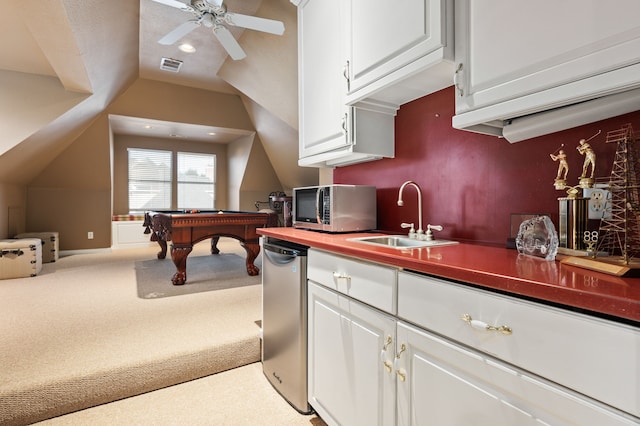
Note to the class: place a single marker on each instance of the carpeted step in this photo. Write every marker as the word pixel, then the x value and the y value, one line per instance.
pixel 45 400
pixel 83 333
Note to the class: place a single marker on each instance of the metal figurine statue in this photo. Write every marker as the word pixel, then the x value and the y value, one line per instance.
pixel 560 181
pixel 587 181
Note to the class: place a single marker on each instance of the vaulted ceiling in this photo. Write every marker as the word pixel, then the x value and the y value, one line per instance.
pixel 83 54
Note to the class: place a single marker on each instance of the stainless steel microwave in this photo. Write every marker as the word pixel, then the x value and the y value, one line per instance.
pixel 335 208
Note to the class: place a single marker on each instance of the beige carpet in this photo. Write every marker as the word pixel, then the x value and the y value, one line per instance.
pixel 78 335
pixel 238 397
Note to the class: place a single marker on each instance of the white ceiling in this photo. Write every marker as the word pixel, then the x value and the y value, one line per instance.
pixel 199 68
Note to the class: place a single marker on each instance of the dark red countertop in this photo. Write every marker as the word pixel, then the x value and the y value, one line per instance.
pixel 493 268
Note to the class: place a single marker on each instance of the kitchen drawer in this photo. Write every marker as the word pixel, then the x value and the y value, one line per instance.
pixel 595 357
pixel 370 283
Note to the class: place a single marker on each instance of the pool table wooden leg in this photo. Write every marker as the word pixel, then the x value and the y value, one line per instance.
pixel 252 249
pixel 179 257
pixel 214 245
pixel 163 248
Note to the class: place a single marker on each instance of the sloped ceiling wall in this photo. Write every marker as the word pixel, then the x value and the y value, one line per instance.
pixel 268 81
pixel 93 52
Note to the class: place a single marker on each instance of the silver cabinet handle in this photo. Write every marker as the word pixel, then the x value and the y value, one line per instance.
pixel 457 80
pixel 345 129
pixel 345 74
pixel 481 325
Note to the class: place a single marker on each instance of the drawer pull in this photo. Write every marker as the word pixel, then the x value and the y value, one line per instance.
pixel 403 348
pixel 402 374
pixel 480 325
pixel 383 354
pixel 340 276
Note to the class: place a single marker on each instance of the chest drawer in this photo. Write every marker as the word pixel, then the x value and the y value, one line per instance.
pixel 370 283
pixel 596 357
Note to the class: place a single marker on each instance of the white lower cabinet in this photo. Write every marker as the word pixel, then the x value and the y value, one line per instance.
pixel 348 381
pixel 391 347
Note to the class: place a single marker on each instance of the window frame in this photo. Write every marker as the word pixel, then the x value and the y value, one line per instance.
pixel 174 182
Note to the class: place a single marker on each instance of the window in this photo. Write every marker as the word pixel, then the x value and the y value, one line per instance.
pixel 196 181
pixel 149 179
pixel 155 184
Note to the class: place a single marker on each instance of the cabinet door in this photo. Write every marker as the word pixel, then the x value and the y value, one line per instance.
pixel 324 118
pixel 389 42
pixel 349 383
pixel 443 383
pixel 507 50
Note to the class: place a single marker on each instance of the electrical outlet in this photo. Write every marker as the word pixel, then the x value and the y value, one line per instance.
pixel 599 202
pixel 89 235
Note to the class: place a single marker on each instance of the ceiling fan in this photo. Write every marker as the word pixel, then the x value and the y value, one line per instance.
pixel 213 14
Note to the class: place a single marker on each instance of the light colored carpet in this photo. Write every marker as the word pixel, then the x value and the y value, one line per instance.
pixel 78 335
pixel 238 397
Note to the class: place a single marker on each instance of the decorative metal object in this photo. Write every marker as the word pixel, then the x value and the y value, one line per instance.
pixel 563 167
pixel 574 208
pixel 586 179
pixel 620 234
pixel 590 239
pixel 572 221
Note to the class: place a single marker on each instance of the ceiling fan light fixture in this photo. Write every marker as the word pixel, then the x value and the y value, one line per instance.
pixel 213 14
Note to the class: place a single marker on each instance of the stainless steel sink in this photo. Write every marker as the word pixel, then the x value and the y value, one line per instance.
pixel 400 241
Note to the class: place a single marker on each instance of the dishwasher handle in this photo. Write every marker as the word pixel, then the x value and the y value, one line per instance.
pixel 280 255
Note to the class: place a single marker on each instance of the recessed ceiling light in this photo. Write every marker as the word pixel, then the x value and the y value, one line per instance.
pixel 148 127
pixel 185 47
pixel 211 133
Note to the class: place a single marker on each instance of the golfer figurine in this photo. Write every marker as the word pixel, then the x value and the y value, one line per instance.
pixel 586 181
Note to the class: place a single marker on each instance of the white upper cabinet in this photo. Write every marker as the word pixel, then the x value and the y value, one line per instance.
pixel 519 58
pixel 322 109
pixel 331 133
pixel 359 60
pixel 398 51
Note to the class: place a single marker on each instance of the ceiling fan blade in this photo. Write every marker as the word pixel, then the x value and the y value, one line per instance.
pixel 179 32
pixel 229 42
pixel 254 23
pixel 175 3
pixel 215 3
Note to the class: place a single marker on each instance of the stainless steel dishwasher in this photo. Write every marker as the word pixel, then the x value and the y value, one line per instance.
pixel 284 320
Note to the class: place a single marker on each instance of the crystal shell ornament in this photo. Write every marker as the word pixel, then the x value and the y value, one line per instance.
pixel 538 237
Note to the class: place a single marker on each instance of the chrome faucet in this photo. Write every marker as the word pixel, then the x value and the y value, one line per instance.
pixel 420 231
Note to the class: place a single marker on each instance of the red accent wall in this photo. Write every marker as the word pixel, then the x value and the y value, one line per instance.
pixel 472 183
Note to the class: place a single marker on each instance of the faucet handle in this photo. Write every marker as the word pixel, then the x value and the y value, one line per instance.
pixel 429 234
pixel 412 231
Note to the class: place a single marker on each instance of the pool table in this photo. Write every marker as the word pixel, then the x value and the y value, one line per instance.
pixel 185 228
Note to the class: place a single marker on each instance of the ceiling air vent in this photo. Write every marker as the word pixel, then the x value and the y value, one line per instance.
pixel 168 64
